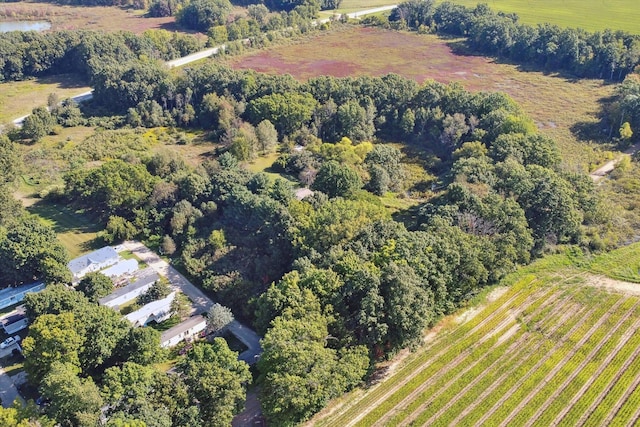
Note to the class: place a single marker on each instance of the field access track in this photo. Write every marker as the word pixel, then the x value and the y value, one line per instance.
pixel 541 354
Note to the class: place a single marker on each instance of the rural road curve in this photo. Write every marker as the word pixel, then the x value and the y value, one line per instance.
pixel 201 302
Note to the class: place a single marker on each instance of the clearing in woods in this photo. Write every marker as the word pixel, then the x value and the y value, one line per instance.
pixel 562 107
pixel 560 347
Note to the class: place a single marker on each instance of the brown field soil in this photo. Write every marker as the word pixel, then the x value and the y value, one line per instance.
pixel 86 18
pixel 555 102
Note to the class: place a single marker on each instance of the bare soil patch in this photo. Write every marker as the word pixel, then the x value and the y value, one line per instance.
pixel 614 285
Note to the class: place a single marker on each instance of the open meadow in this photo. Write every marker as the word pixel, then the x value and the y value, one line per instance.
pixel 591 15
pixel 561 346
pixel 558 104
pixel 18 99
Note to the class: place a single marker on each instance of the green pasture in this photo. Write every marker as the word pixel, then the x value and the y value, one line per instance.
pixel 591 15
pixel 20 98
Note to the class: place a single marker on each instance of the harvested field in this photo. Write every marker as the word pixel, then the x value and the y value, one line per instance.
pixel 86 18
pixel 562 107
pixel 546 352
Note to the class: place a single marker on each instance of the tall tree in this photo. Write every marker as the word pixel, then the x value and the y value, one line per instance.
pixel 216 380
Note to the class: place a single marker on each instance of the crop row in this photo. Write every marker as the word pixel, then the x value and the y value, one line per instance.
pixel 594 394
pixel 525 368
pixel 516 401
pixel 484 392
pixel 581 366
pixel 580 392
pixel 444 357
pixel 520 342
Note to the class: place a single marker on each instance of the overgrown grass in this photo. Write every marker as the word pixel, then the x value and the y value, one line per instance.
pixel 622 264
pixel 592 15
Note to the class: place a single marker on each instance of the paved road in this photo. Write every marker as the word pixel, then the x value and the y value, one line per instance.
pixel 201 302
pixel 371 11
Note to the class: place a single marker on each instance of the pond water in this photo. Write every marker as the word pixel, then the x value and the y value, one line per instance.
pixel 7 26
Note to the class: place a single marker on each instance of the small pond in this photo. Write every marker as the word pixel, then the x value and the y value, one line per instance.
pixel 7 26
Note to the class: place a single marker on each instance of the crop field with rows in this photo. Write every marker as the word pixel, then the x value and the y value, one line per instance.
pixel 551 350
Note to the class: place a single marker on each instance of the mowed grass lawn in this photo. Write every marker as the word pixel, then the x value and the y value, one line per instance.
pixel 550 350
pixel 20 98
pixel 591 15
pixel 76 231
pixel 556 103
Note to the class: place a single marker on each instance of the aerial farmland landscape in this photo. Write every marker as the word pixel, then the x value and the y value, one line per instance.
pixel 319 213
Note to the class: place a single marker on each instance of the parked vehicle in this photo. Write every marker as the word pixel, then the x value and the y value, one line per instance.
pixel 10 341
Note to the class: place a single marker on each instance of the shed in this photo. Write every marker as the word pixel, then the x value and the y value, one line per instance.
pixel 183 331
pixel 15 321
pixel 93 261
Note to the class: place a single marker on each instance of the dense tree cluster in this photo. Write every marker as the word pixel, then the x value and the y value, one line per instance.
pixel 605 54
pixel 625 112
pixel 91 365
pixel 32 54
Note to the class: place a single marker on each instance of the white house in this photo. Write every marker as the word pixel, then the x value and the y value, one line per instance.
pixel 183 331
pixel 127 266
pixel 157 311
pixel 147 278
pixel 93 261
pixel 11 296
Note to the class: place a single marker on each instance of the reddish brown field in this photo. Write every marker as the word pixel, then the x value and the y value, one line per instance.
pixel 88 18
pixel 554 102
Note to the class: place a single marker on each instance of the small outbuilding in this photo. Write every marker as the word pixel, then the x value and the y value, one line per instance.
pixel 15 321
pixel 183 331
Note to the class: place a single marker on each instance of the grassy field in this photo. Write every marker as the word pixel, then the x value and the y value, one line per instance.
pixel 19 98
pixel 77 233
pixel 591 15
pixel 562 107
pixel 553 349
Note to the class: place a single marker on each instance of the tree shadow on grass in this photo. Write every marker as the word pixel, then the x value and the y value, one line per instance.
pixel 64 81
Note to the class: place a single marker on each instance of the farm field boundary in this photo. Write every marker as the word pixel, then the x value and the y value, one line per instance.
pixel 552 350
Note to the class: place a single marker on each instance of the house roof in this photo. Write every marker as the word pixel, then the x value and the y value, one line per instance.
pixel 301 193
pixel 154 308
pixel 96 257
pixel 122 267
pixel 17 315
pixel 182 327
pixel 146 277
pixel 8 293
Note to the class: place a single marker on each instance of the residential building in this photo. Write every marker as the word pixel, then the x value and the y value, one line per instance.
pixel 11 296
pixel 146 279
pixel 124 267
pixel 156 311
pixel 15 321
pixel 93 261
pixel 183 331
